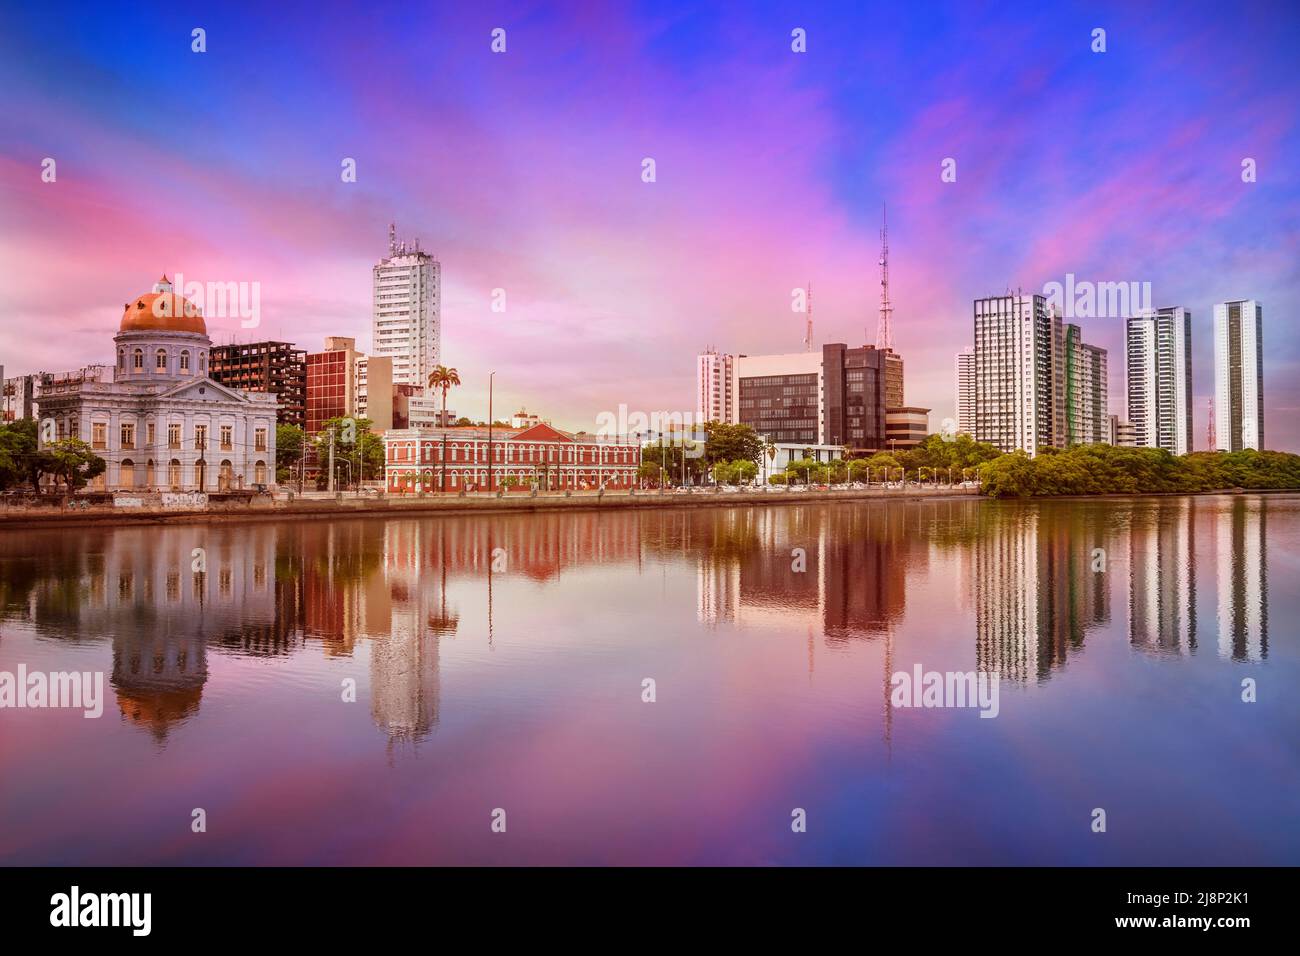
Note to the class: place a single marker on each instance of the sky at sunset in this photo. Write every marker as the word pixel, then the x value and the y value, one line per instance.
pixel 522 171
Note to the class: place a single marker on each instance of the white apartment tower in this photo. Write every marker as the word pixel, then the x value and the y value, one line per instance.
pixel 1238 375
pixel 1019 379
pixel 408 311
pixel 713 387
pixel 966 391
pixel 1159 351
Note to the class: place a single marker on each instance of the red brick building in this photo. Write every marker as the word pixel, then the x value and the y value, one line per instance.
pixel 456 459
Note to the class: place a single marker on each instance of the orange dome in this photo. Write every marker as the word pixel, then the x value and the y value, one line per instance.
pixel 163 311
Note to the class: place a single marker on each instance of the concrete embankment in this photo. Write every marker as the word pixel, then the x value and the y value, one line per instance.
pixel 265 508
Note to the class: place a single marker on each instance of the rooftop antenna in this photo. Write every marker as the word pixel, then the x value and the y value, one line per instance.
pixel 808 335
pixel 884 328
pixel 392 239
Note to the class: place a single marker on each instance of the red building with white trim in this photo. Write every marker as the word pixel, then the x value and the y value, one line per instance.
pixel 456 459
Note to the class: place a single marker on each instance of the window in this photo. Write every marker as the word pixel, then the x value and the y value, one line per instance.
pixel 185 361
pixel 227 437
pixel 259 439
pixel 137 361
pixel 99 434
pixel 259 473
pixel 149 434
pixel 128 434
pixel 174 474
pixel 174 435
pixel 200 437
pixel 160 361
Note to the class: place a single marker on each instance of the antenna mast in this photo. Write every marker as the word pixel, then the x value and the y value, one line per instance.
pixel 392 239
pixel 884 328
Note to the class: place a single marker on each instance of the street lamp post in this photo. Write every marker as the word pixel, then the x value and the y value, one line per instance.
pixel 491 377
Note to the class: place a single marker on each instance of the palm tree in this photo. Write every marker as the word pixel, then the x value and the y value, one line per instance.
pixel 443 378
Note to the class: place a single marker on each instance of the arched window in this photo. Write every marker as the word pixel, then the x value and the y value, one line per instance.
pixel 137 361
pixel 160 362
pixel 121 359
pixel 126 476
pixel 185 360
pixel 225 475
pixel 259 473
pixel 148 474
pixel 174 474
pixel 203 361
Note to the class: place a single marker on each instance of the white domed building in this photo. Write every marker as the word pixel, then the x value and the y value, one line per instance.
pixel 161 424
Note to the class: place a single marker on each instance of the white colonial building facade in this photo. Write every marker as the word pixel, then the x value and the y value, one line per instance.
pixel 159 422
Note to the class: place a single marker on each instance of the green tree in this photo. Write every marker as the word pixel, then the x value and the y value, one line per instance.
pixel 1008 476
pixel 21 458
pixel 73 462
pixel 725 442
pixel 288 451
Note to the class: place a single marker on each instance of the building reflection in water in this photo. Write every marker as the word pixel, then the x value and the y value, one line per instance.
pixel 1162 575
pixel 855 561
pixel 1034 590
pixel 1024 571
pixel 1241 551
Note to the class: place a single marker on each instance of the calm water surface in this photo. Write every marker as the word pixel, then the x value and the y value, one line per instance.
pixel 519 686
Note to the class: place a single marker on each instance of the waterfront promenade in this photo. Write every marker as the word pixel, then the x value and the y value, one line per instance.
pixel 28 513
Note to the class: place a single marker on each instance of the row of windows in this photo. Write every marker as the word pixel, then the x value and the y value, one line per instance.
pixel 225 475
pixel 127 435
pixel 161 360
pixel 623 454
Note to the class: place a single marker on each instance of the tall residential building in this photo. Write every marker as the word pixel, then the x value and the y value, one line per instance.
pixel 331 382
pixel 854 396
pixel 966 391
pixel 408 311
pixel 1238 375
pixel 1159 352
pixel 1019 373
pixel 1086 411
pixel 780 396
pixel 275 367
pixel 713 382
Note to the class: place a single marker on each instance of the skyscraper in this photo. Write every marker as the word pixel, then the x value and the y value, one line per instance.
pixel 1086 411
pixel 966 391
pixel 1159 352
pixel 854 396
pixel 1238 375
pixel 1019 382
pixel 713 381
pixel 408 311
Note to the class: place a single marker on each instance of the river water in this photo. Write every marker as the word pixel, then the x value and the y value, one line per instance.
pixel 385 691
